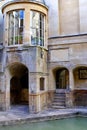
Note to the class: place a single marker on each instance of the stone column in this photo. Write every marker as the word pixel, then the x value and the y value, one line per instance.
pixel 71 80
pixel 7 89
pixel 69 93
pixel 26 36
pixel 34 96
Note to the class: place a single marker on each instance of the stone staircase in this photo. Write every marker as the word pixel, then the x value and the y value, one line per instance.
pixel 59 100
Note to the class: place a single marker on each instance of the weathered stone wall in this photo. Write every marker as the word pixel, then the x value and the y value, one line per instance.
pixel 67 17
pixel 2 101
pixel 80 97
pixel 50 97
pixel 1 23
pixel 2 79
pixel 43 100
pixel 1 59
pixel 29 55
pixel 53 17
pixel 83 16
pixel 69 53
pixel 35 59
pixel 69 99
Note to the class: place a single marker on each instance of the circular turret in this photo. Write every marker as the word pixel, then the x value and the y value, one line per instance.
pixel 26 23
pixel 40 1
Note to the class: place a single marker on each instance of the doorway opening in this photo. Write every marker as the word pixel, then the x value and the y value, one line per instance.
pixel 62 78
pixel 19 88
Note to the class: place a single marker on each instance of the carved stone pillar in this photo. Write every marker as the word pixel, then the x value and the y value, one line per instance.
pixel 69 92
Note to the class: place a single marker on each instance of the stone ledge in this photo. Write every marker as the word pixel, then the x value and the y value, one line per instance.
pixel 12 118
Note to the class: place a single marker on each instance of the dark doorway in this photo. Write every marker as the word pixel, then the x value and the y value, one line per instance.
pixel 15 88
pixel 19 85
pixel 62 78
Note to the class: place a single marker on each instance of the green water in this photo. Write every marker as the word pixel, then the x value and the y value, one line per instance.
pixel 63 124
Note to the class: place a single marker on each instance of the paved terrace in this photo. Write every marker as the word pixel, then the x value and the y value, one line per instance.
pixel 20 114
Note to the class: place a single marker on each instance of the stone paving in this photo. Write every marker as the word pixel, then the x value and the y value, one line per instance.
pixel 20 114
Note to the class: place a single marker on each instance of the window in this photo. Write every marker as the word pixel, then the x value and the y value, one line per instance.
pixel 42 83
pixel 37 28
pixel 15 27
pixel 82 73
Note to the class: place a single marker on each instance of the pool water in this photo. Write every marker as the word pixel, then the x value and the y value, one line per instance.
pixel 78 123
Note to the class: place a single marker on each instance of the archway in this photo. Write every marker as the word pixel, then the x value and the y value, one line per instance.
pixel 62 78
pixel 80 86
pixel 80 77
pixel 18 84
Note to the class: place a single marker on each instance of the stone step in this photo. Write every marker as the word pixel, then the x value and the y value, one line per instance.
pixel 59 95
pixel 63 96
pixel 58 107
pixel 58 103
pixel 60 100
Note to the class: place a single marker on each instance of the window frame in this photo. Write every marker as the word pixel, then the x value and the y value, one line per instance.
pixel 40 29
pixel 16 39
pixel 42 83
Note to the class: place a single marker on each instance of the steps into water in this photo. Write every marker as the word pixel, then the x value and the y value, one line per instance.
pixel 59 100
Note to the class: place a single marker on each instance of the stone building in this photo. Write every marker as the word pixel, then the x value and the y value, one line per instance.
pixel 43 54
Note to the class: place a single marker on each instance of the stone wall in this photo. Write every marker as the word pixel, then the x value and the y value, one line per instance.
pixel 83 16
pixel 43 100
pixel 68 16
pixel 50 97
pixel 80 97
pixel 69 99
pixel 2 79
pixel 35 60
pixel 53 17
pixel 2 101
pixel 1 24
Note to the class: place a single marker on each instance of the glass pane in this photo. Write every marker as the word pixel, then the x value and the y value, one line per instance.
pixel 15 31
pixel 37 28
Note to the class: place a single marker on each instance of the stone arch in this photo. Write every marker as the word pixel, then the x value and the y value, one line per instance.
pixel 80 76
pixel 61 76
pixel 17 87
pixel 78 65
pixel 80 85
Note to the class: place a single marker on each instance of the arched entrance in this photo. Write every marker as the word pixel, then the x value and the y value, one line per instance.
pixel 19 84
pixel 80 77
pixel 62 78
pixel 80 86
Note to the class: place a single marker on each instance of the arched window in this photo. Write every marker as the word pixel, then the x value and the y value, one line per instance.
pixel 37 28
pixel 42 83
